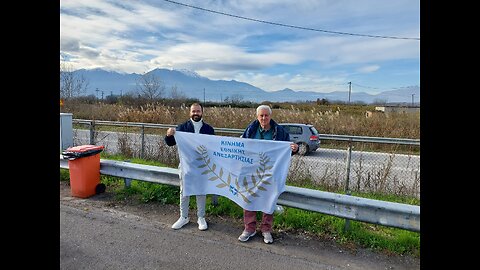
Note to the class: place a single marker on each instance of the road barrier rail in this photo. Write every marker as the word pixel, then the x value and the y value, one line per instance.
pixel 390 214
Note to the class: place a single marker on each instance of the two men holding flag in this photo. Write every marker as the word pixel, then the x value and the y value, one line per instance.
pixel 251 173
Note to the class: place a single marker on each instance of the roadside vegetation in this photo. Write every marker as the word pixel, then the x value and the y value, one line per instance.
pixel 328 118
pixel 342 119
pixel 339 118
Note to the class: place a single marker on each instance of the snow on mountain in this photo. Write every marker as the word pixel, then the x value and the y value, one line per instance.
pixel 189 73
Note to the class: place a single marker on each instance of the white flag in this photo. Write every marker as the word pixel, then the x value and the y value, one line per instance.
pixel 250 172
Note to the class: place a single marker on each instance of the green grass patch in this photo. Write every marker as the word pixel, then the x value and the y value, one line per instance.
pixel 150 192
pixel 375 237
pixel 383 238
pixel 224 207
pixel 64 175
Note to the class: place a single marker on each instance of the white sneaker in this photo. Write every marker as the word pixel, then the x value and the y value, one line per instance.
pixel 202 224
pixel 246 235
pixel 279 209
pixel 267 237
pixel 180 223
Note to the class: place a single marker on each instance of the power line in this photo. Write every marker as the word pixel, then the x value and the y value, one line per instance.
pixel 384 88
pixel 364 86
pixel 287 25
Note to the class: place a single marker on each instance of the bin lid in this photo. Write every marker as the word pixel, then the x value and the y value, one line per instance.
pixel 85 148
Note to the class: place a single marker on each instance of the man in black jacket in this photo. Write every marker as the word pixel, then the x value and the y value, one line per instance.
pixel 194 125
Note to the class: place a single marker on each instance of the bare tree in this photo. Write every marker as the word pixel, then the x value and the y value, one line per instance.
pixel 71 84
pixel 177 94
pixel 236 98
pixel 150 86
pixel 379 101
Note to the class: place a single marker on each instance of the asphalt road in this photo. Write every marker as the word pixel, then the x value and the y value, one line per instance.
pixel 102 233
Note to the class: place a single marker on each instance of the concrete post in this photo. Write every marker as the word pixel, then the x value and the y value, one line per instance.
pixel 66 131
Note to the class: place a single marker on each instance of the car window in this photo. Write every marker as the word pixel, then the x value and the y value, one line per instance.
pixel 314 130
pixel 295 130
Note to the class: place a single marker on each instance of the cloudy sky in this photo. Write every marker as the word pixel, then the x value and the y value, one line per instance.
pixel 311 45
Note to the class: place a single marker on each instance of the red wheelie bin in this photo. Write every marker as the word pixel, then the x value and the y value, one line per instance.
pixel 84 166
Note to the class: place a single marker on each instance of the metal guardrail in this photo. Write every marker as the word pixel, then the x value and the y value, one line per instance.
pixel 390 214
pixel 122 124
pixel 369 139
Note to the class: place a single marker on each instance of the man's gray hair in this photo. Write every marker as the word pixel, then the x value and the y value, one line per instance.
pixel 264 107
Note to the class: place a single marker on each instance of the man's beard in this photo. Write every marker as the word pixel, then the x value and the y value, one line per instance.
pixel 196 118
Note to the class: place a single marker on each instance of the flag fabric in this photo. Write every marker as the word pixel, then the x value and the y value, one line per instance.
pixel 250 172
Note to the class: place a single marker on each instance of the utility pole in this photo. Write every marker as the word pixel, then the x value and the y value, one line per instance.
pixel 204 96
pixel 97 92
pixel 102 95
pixel 349 91
pixel 412 99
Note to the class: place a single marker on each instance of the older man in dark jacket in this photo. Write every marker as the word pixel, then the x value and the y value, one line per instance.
pixel 263 128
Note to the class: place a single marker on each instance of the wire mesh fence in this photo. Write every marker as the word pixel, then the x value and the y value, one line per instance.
pixel 355 165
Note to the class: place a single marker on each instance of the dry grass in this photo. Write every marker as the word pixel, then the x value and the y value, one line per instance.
pixel 328 120
pixel 343 121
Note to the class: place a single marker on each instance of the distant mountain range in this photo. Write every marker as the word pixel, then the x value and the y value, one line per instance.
pixel 192 85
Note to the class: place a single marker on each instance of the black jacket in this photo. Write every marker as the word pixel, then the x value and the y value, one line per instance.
pixel 188 127
pixel 279 133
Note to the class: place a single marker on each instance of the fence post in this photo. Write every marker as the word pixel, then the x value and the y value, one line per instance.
pixel 92 132
pixel 127 181
pixel 214 199
pixel 142 151
pixel 347 179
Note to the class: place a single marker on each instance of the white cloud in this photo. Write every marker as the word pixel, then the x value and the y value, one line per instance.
pixel 137 36
pixel 368 69
pixel 212 56
pixel 312 83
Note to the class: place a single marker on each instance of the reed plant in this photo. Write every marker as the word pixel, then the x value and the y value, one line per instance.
pixel 341 119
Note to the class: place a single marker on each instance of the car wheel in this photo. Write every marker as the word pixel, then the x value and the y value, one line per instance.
pixel 302 149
